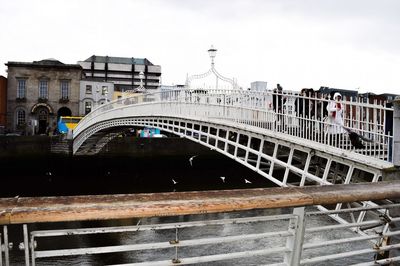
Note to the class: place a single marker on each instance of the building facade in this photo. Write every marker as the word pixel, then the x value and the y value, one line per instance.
pixel 346 94
pixel 39 92
pixel 3 103
pixel 122 71
pixel 258 86
pixel 93 94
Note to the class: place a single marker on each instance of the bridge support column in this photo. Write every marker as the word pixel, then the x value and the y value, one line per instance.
pixel 396 132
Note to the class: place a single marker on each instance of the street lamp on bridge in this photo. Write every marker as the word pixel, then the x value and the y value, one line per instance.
pixel 212 52
pixel 141 88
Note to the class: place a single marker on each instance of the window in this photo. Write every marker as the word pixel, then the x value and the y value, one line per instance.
pixel 20 117
pixel 88 107
pixel 43 89
pixel 64 89
pixel 88 89
pixel 21 89
pixel 104 90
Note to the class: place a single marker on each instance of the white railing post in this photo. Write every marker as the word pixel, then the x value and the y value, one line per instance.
pixel 1 251
pixel 396 132
pixel 6 246
pixel 26 244
pixel 295 242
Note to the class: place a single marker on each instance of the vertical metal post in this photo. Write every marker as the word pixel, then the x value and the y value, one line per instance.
pixel 271 169
pixel 246 156
pixel 326 171
pixel 289 162
pixel 6 254
pixel 236 144
pixel 32 247
pixel 259 154
pixel 1 252
pixel 295 243
pixel 305 171
pixel 346 181
pixel 208 135
pixel 26 244
pixel 396 132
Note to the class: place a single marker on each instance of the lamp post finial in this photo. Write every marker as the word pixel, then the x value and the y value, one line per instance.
pixel 212 52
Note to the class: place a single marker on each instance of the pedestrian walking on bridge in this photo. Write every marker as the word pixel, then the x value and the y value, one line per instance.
pixel 335 121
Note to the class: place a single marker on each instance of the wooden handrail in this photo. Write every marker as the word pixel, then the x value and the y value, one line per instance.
pixel 120 206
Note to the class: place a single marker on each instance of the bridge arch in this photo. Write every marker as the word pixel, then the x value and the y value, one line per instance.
pixel 279 159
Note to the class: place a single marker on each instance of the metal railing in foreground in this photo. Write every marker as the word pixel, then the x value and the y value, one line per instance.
pixel 256 233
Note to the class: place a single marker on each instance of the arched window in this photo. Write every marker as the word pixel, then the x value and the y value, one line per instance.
pixel 88 107
pixel 21 118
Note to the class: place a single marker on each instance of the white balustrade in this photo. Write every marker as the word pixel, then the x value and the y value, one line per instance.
pixel 287 113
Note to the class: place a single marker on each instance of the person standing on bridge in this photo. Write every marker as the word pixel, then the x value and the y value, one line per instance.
pixel 335 119
pixel 278 101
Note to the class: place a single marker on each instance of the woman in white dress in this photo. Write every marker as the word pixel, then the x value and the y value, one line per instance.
pixel 335 118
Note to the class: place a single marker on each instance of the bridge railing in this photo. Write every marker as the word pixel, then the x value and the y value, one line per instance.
pixel 288 113
pixel 255 226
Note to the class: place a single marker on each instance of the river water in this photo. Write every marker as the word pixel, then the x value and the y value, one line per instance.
pixel 150 166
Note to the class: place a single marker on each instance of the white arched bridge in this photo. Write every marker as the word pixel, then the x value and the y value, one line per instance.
pixel 283 137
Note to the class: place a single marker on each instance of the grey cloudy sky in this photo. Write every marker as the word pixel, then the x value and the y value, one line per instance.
pixel 345 44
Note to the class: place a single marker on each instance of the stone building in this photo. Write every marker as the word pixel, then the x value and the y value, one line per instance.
pixel 122 71
pixel 3 103
pixel 39 92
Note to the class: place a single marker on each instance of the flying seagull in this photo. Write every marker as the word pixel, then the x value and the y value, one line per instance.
pixel 247 181
pixel 173 181
pixel 191 160
pixel 222 178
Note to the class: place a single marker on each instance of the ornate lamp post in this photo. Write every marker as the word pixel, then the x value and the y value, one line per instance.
pixel 141 88
pixel 106 95
pixel 96 96
pixel 212 52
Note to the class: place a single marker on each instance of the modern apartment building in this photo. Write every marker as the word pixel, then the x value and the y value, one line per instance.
pixel 122 71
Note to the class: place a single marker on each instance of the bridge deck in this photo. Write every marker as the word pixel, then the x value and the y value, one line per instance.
pixel 103 207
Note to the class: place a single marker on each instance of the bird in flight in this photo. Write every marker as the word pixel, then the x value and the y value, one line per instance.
pixel 247 181
pixel 222 178
pixel 173 181
pixel 191 160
